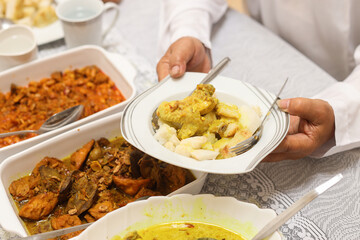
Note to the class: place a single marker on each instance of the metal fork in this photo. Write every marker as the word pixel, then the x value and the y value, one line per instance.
pixel 245 145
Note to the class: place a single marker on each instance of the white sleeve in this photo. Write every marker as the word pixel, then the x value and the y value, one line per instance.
pixel 344 97
pixel 194 18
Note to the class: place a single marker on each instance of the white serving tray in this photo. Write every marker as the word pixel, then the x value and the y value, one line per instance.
pixel 60 147
pixel 118 68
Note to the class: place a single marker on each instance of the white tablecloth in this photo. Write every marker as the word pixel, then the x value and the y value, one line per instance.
pixel 263 59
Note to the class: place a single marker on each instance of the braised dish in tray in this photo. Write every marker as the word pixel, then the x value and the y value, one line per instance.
pixel 28 107
pixel 98 178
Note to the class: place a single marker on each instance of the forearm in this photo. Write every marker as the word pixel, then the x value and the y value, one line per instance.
pixel 193 18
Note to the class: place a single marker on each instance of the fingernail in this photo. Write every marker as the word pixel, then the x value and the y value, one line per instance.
pixel 175 70
pixel 283 104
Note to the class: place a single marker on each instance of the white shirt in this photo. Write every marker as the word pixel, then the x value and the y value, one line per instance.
pixel 326 31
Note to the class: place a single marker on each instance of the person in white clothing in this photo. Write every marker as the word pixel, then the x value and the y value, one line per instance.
pixel 326 31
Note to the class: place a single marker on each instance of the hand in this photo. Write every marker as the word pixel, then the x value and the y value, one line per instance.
pixel 312 123
pixel 114 1
pixel 186 54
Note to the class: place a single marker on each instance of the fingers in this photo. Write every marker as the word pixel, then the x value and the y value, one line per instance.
pixel 317 119
pixel 313 110
pixel 291 148
pixel 298 143
pixel 312 123
pixel 162 68
pixel 180 55
pixel 277 157
pixel 186 54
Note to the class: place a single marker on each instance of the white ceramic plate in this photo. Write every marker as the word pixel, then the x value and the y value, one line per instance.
pixel 244 218
pixel 60 147
pixel 118 68
pixel 49 33
pixel 136 125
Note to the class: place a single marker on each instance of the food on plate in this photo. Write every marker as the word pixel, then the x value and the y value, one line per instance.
pixel 188 230
pixel 28 107
pixel 96 179
pixel 202 127
pixel 38 13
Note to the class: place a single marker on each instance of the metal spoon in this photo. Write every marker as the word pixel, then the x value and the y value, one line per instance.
pixel 272 226
pixel 210 76
pixel 55 121
pixel 5 23
pixel 282 218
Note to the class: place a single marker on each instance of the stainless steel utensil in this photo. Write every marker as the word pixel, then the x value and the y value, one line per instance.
pixel 282 218
pixel 55 121
pixel 245 145
pixel 210 76
pixel 5 23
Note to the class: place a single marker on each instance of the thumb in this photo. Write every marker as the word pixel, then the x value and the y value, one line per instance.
pixel 162 68
pixel 305 108
pixel 178 60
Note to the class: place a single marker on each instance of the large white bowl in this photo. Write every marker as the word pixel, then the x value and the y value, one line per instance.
pixel 60 147
pixel 244 218
pixel 118 68
pixel 137 128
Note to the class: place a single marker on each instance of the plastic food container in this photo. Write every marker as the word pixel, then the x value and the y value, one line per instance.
pixel 60 147
pixel 118 68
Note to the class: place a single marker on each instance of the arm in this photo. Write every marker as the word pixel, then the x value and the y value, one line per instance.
pixel 344 97
pixel 324 127
pixel 185 28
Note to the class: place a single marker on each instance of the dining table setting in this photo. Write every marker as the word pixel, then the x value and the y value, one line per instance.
pixel 262 68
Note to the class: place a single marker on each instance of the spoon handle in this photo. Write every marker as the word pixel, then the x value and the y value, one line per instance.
pixel 282 218
pixel 17 133
pixel 215 71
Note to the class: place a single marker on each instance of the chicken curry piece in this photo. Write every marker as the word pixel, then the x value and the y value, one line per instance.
pixel 98 178
pixel 205 127
pixel 188 113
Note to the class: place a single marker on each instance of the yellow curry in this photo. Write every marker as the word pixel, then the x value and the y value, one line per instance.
pixel 182 231
pixel 202 127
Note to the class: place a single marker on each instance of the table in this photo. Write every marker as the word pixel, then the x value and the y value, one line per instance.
pixel 264 60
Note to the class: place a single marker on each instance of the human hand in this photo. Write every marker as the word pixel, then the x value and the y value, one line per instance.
pixel 114 1
pixel 312 123
pixel 186 54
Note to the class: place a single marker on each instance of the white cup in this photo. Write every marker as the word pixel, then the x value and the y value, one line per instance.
pixel 82 21
pixel 17 46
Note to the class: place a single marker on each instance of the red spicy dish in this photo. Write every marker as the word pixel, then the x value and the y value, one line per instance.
pixel 28 107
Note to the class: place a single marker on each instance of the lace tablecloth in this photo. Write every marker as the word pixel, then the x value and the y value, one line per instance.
pixel 333 215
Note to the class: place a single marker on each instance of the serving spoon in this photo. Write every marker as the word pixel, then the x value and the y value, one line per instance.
pixel 55 121
pixel 283 217
pixel 5 23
